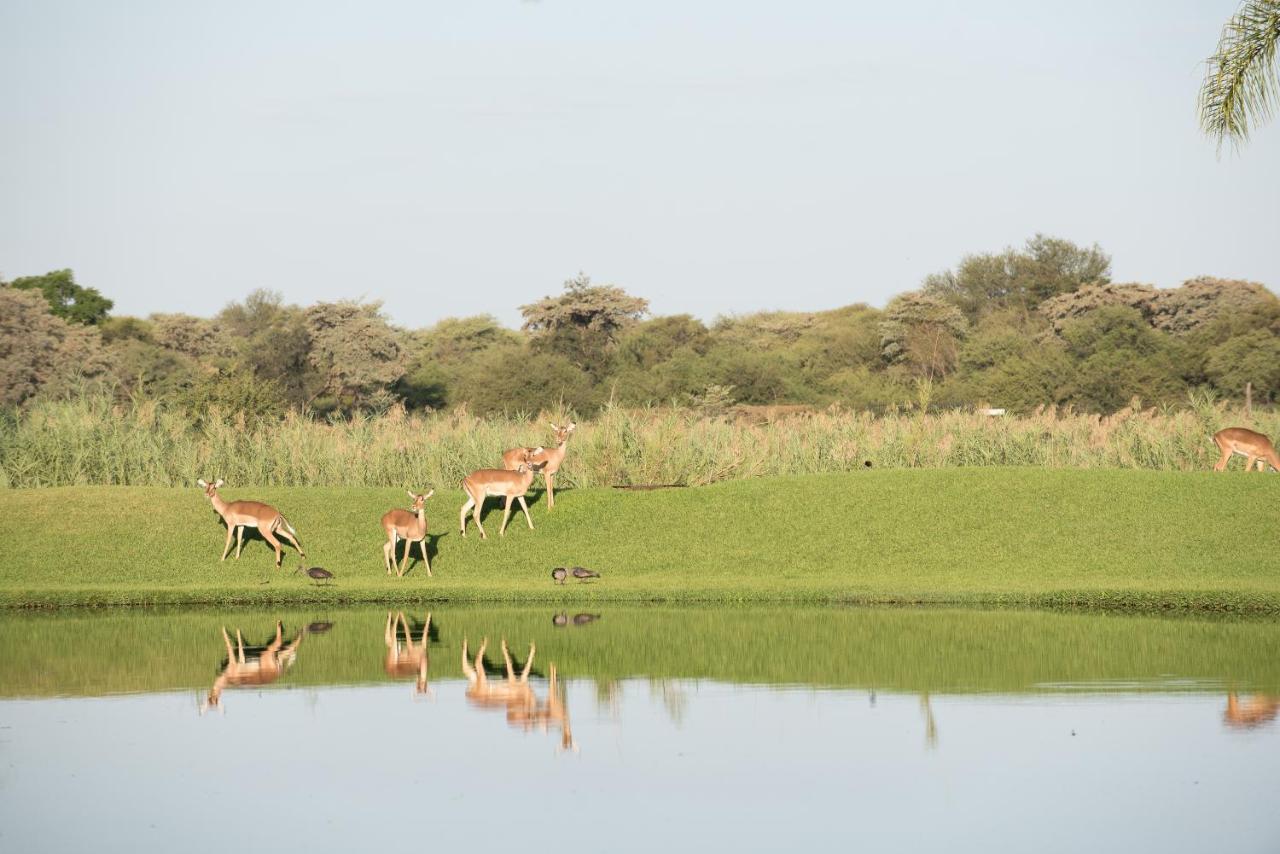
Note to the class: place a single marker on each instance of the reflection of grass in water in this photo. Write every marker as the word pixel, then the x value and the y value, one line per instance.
pixel 1136 539
pixel 932 650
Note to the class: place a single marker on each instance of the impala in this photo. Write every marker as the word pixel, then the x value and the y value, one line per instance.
pixel 1253 446
pixel 239 515
pixel 550 458
pixel 1251 711
pixel 410 526
pixel 407 658
pixel 263 669
pixel 511 485
pixel 482 692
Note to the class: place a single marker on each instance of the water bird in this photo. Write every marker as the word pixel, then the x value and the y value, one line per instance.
pixel 559 574
pixel 582 573
pixel 583 619
pixel 560 620
pixel 317 572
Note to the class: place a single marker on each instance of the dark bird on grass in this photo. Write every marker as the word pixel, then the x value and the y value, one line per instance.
pixel 560 620
pixel 583 619
pixel 559 574
pixel 316 572
pixel 319 628
pixel 582 573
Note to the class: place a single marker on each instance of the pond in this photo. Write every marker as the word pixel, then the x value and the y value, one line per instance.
pixel 631 728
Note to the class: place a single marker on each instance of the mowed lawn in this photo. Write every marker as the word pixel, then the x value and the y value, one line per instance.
pixel 1126 539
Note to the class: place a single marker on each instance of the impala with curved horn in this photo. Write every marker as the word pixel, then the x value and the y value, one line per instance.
pixel 239 515
pixel 550 458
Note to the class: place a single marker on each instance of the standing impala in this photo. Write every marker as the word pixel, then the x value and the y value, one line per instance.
pixel 264 668
pixel 1249 444
pixel 551 459
pixel 511 485
pixel 410 527
pixel 407 658
pixel 239 515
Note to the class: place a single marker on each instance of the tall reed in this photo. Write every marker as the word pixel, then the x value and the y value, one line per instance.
pixel 94 441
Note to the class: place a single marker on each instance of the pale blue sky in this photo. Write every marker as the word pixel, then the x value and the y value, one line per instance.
pixel 466 157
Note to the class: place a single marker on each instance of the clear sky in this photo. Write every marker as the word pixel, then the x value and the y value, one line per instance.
pixel 466 157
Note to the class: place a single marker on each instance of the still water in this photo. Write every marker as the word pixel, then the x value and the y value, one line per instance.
pixel 626 729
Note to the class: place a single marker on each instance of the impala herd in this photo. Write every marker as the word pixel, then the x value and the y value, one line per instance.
pixel 513 480
pixel 510 482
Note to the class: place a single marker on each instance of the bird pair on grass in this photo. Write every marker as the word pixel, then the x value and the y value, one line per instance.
pixel 560 573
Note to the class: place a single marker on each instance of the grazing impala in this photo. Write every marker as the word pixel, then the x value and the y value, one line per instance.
pixel 551 459
pixel 511 485
pixel 407 658
pixel 265 667
pixel 1251 711
pixel 239 515
pixel 1251 445
pixel 410 527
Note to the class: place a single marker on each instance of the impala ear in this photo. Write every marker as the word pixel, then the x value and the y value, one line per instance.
pixel 572 426
pixel 219 483
pixel 201 483
pixel 411 495
pixel 430 492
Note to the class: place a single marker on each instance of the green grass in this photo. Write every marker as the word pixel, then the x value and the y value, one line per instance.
pixel 1097 538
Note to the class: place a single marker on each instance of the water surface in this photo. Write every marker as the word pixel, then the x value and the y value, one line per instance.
pixel 754 729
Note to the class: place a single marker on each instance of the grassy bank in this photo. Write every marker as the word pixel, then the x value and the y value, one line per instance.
pixel 93 442
pixel 1121 539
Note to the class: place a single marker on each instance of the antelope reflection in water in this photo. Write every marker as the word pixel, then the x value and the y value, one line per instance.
pixel 405 658
pixel 1251 711
pixel 264 666
pixel 516 695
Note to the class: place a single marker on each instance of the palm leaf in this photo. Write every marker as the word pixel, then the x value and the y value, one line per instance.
pixel 1241 89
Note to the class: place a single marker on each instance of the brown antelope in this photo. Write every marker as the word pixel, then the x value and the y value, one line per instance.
pixel 1251 711
pixel 511 485
pixel 266 667
pixel 239 515
pixel 1253 446
pixel 516 695
pixel 553 712
pixel 407 658
pixel 551 459
pixel 410 526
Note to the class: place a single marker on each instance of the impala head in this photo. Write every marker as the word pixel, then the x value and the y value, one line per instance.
pixel 562 433
pixel 420 500
pixel 209 488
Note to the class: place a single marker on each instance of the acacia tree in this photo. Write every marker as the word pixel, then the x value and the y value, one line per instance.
pixel 1241 87
pixel 40 352
pixel 357 353
pixel 66 299
pixel 584 322
pixel 922 333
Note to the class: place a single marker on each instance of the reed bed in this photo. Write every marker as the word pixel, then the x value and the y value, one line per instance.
pixel 93 441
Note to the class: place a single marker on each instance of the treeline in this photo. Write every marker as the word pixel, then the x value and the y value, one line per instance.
pixel 1040 325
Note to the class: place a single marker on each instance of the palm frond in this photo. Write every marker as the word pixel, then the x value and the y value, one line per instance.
pixel 1241 89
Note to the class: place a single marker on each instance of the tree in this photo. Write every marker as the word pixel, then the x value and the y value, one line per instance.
pixel 1251 358
pixel 1118 356
pixel 39 351
pixel 583 323
pixel 922 333
pixel 355 351
pixel 1241 88
pixel 66 299
pixel 264 336
pixel 1043 268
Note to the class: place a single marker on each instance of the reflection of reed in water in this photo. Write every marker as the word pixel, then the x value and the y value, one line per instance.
pixel 930 725
pixel 265 665
pixel 674 699
pixel 1250 712
pixel 515 694
pixel 405 658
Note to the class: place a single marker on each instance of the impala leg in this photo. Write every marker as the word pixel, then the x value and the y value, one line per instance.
pixel 506 513
pixel 239 540
pixel 462 516
pixel 388 552
pixel 422 544
pixel 284 532
pixel 525 508
pixel 425 630
pixel 388 633
pixel 226 638
pixel 506 657
pixel 1223 460
pixel 467 670
pixel 275 544
pixel 404 564
pixel 550 480
pixel 475 512
pixel 528 665
pixel 1248 462
pixel 240 645
pixel 479 668
pixel 230 533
